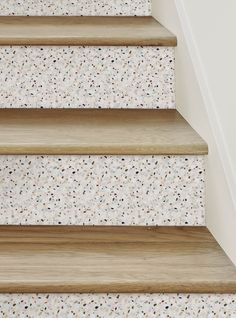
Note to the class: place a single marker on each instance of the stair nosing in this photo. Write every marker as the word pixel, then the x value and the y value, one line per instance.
pixel 84 31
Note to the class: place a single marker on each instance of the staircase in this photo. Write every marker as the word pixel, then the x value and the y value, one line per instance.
pixel 102 201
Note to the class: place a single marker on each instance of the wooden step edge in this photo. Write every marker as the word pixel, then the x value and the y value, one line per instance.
pixel 109 149
pixel 64 234
pixel 79 41
pixel 84 31
pixel 132 288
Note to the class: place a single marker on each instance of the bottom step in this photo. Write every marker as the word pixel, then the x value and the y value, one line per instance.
pixel 77 259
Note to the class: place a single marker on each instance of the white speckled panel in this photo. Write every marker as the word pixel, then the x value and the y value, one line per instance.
pixel 93 77
pixel 75 7
pixel 114 190
pixel 117 305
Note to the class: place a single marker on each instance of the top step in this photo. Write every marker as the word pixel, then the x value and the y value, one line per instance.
pixel 101 31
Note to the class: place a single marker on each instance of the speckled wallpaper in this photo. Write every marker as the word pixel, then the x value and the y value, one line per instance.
pixel 115 190
pixel 117 305
pixel 75 7
pixel 92 77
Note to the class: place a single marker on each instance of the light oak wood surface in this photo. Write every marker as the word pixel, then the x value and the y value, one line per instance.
pixel 76 259
pixel 83 31
pixel 97 131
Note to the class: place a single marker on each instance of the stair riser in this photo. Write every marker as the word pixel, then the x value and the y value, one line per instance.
pixel 91 77
pixel 78 7
pixel 109 190
pixel 118 305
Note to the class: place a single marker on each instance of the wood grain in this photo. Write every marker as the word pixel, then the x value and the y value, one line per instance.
pixel 97 131
pixel 84 31
pixel 77 259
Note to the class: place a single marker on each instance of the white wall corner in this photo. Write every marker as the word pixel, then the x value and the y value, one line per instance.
pixel 197 103
pixel 209 103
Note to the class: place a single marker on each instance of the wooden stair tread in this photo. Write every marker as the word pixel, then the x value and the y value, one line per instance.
pixel 71 30
pixel 97 131
pixel 84 259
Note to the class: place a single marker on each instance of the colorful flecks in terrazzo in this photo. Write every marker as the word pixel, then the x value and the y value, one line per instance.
pixel 112 190
pixel 76 7
pixel 91 77
pixel 117 305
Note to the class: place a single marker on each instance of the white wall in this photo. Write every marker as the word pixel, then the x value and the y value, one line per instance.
pixel 205 72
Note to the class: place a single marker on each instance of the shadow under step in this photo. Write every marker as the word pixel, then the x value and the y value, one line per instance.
pixel 83 259
pixel 71 30
pixel 97 132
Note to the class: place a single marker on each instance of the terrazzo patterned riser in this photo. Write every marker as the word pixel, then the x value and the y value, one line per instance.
pixel 117 305
pixel 102 190
pixel 92 77
pixel 76 7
